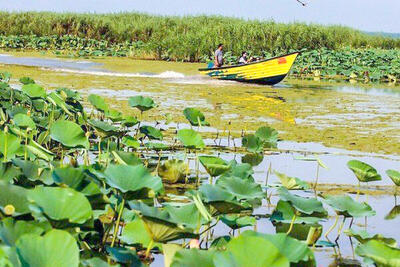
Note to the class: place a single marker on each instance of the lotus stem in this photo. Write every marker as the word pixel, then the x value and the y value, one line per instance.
pixel 99 148
pixel 316 179
pixel 291 224
pixel 332 227
pixel 26 143
pixel 197 169
pixel 340 229
pixel 268 173
pixel 358 190
pixel 149 248
pixel 118 221
pixel 5 143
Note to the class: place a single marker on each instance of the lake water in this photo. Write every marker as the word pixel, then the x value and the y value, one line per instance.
pixel 334 121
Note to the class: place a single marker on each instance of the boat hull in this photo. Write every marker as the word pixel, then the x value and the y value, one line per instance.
pixel 269 71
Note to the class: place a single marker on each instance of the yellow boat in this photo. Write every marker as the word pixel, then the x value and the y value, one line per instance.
pixel 268 71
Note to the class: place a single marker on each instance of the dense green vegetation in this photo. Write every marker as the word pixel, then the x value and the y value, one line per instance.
pixel 188 38
pixel 99 189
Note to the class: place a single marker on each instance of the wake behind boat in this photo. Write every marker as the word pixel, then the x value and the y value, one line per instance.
pixel 268 71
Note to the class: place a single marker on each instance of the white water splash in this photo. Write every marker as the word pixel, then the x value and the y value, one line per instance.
pixel 165 74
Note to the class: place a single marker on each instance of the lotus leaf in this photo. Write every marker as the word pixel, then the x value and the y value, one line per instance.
pixel 127 178
pixel 394 212
pixel 363 171
pixel 126 158
pixel 235 221
pixel 160 224
pixel 11 230
pixel 194 258
pixel 69 134
pixel 302 204
pixel 173 171
pixel 195 117
pixel 98 102
pixel 245 249
pixel 380 253
pixel 268 136
pixel 254 159
pixel 151 132
pixel 252 143
pixel 75 179
pixel 56 246
pixel 15 196
pixel 103 128
pixel 242 189
pixel 126 256
pixel 26 80
pixel 129 141
pixel 60 204
pixel 24 121
pixel 395 176
pixel 190 138
pixel 141 102
pixel 363 236
pixel 214 166
pixel 348 207
pixel 292 183
pixel 9 144
pixel 33 90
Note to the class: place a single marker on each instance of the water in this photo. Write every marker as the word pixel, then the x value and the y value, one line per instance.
pixel 333 121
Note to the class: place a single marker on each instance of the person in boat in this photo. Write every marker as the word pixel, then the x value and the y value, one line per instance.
pixel 243 59
pixel 219 56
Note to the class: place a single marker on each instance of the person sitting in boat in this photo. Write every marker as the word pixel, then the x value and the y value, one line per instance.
pixel 219 56
pixel 243 59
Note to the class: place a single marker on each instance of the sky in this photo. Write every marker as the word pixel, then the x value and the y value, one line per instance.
pixel 366 15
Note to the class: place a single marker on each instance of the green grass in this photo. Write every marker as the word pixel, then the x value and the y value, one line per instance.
pixel 190 38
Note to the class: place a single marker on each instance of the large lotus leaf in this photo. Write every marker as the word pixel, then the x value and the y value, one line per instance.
pixel 284 213
pixel 126 158
pixel 268 136
pixel 252 143
pixel 75 178
pixel 98 102
pixel 39 151
pixel 190 138
pixel 395 176
pixel 242 189
pixel 103 129
pixel 173 171
pixel 380 253
pixel 292 183
pixel 11 230
pixel 348 207
pixel 9 144
pixel 302 204
pixel 26 80
pixel 61 204
pixel 160 225
pixel 194 258
pixel 214 166
pixel 33 90
pixel 135 232
pixel 221 200
pixel 363 236
pixel 243 170
pixel 186 214
pixel 309 233
pixel 294 250
pixel 235 221
pixel 151 132
pixel 363 171
pixel 24 121
pixel 195 117
pixel 69 134
pixel 56 247
pixel 245 249
pixel 128 178
pixel 141 102
pixel 15 196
